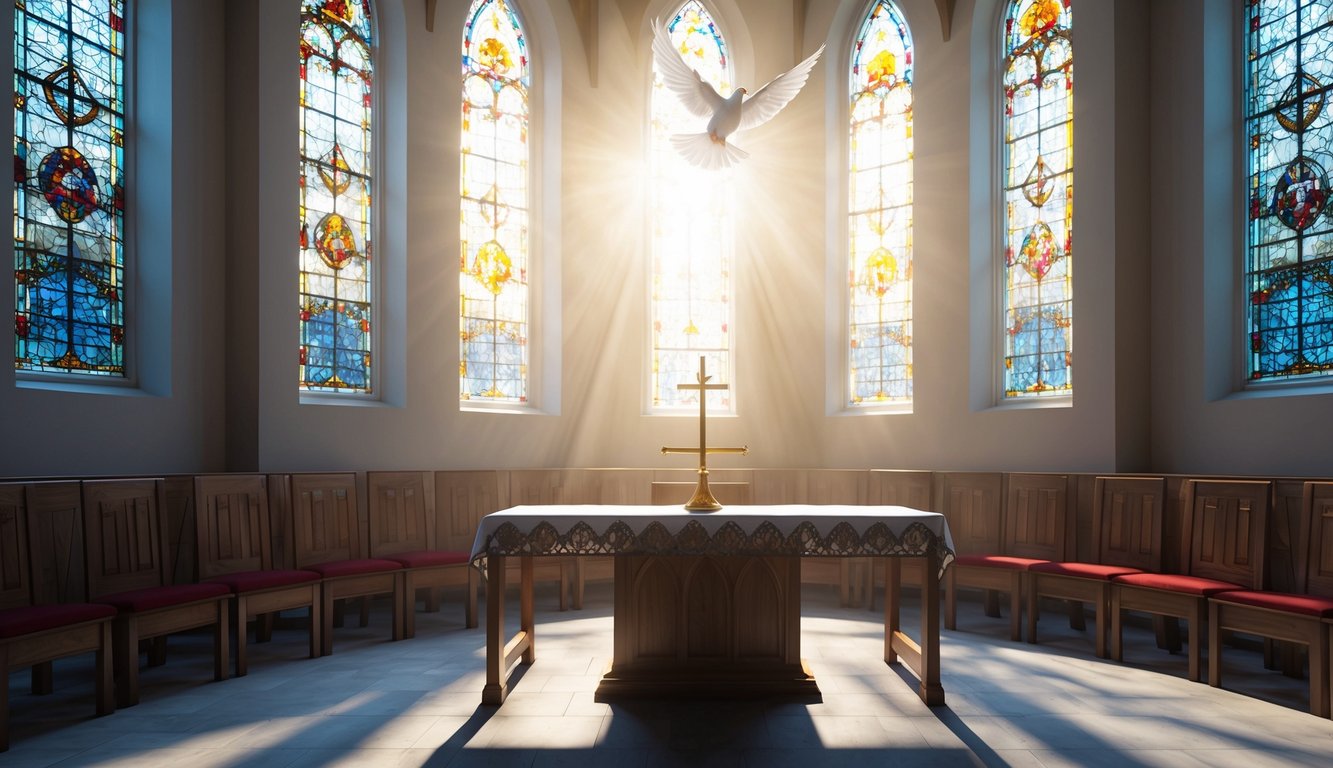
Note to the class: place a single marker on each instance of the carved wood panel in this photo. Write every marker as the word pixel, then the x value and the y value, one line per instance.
pixel 1319 562
pixel 232 524
pixel 178 529
pixel 970 501
pixel 836 486
pixel 707 609
pixel 540 486
pixel 326 522
pixel 55 543
pixel 1127 521
pixel 14 587
pixel 282 548
pixel 1227 521
pixel 462 499
pixel 901 488
pixel 1036 515
pixel 401 512
pixel 125 550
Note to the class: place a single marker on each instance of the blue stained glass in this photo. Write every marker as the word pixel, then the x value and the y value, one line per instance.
pixel 69 197
pixel 1038 194
pixel 336 193
pixel 1288 287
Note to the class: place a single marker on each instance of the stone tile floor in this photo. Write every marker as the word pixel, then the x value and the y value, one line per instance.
pixel 417 702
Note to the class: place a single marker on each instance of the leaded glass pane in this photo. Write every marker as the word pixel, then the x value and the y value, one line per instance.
pixel 336 250
pixel 692 236
pixel 1038 198
pixel 1289 241
pixel 493 279
pixel 69 186
pixel 880 207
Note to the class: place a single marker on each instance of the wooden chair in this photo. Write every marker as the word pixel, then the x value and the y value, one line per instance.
pixel 463 497
pixel 329 538
pixel 402 529
pixel 1127 535
pixel 1033 525
pixel 1302 617
pixel 1223 525
pixel 33 635
pixel 125 556
pixel 899 488
pixel 234 549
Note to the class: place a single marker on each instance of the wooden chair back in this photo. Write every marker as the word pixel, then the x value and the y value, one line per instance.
pixel 1318 559
pixel 462 499
pixel 1225 521
pixel 55 542
pixel 178 529
pixel 121 525
pixel 971 503
pixel 728 494
pixel 1283 543
pixel 15 581
pixel 326 521
pixel 901 488
pixel 401 512
pixel 1037 516
pixel 232 524
pixel 1127 521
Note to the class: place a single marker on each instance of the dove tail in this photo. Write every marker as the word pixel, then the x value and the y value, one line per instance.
pixel 702 151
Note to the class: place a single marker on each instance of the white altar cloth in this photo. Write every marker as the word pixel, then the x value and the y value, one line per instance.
pixel 806 530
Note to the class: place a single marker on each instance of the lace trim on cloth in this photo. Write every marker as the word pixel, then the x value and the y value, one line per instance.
pixel 917 540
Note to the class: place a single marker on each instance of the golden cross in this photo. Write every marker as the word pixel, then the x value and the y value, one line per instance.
pixel 703 500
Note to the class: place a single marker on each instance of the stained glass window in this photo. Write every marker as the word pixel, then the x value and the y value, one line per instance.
pixel 337 279
pixel 880 207
pixel 692 236
pixel 69 186
pixel 493 279
pixel 1288 281
pixel 1038 198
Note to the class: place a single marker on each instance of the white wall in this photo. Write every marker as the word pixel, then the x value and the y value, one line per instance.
pixel 1203 417
pixel 171 421
pixel 1171 405
pixel 781 264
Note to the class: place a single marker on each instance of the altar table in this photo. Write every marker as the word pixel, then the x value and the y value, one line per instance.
pixel 709 602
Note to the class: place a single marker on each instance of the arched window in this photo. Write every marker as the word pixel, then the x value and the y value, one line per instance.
pixel 1038 198
pixel 494 319
pixel 692 237
pixel 337 190
pixel 69 177
pixel 1288 281
pixel 880 210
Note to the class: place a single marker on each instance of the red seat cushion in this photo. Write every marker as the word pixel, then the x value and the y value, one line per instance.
pixel 339 568
pixel 254 581
pixel 997 561
pixel 1083 570
pixel 38 618
pixel 1171 582
pixel 429 559
pixel 1307 605
pixel 153 598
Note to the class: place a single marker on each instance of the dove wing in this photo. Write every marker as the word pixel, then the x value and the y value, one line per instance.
pixel 694 92
pixel 769 100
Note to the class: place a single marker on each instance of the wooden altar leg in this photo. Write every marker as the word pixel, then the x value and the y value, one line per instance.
pixel 525 623
pixel 892 578
pixel 496 684
pixel 931 691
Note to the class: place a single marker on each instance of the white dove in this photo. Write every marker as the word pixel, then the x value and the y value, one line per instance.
pixel 738 112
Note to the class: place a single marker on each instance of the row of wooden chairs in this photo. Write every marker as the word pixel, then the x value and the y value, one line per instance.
pixel 1219 580
pixel 84 567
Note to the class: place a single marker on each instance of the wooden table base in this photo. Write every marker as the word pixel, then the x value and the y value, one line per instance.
pixel 710 626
